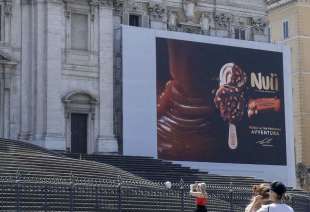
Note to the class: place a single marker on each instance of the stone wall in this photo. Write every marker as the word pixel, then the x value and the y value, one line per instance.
pixel 50 73
pixel 36 36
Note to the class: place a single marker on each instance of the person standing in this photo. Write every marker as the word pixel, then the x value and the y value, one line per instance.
pixel 260 197
pixel 198 190
pixel 277 194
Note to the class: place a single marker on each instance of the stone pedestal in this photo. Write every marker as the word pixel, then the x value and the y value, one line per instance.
pixel 107 144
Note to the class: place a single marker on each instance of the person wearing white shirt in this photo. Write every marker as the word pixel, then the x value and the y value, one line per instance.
pixel 277 193
pixel 260 197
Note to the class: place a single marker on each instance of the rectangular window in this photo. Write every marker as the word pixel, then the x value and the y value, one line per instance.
pixel 285 30
pixel 79 31
pixel 237 34
pixel 269 34
pixel 240 34
pixel 134 20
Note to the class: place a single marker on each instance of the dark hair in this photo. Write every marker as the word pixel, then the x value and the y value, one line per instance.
pixel 279 188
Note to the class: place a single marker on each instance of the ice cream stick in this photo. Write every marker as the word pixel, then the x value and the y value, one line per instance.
pixel 232 137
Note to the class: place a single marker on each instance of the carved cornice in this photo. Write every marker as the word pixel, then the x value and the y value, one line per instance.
pixel 223 20
pixel 156 11
pixel 60 2
pixel 106 3
pixel 191 28
pixel 273 4
pixel 67 8
pixel 118 6
pixel 190 17
pixel 172 20
pixel 258 24
pixel 8 7
pixel 93 4
pixel 205 22
pixel 190 10
pixel 135 7
pixel 25 2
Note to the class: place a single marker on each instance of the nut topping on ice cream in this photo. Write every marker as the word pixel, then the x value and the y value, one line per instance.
pixel 229 98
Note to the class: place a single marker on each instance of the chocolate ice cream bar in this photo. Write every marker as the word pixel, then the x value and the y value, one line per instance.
pixel 229 98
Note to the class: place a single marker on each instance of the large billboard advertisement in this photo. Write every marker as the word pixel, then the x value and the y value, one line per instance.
pixel 215 104
pixel 219 103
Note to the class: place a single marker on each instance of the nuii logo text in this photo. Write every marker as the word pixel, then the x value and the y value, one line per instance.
pixel 269 82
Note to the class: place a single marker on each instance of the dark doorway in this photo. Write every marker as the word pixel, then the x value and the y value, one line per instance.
pixel 78 133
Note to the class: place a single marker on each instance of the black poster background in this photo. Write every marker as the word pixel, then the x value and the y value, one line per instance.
pixel 208 60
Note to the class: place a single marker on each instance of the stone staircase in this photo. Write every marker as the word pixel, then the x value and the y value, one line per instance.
pixel 157 170
pixel 35 179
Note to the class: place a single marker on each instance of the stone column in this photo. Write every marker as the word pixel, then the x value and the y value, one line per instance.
pixel 6 106
pixel 39 70
pixel 16 24
pixel 55 120
pixel 25 76
pixel 16 80
pixel 106 139
pixel 5 93
pixel 6 98
pixel 5 86
pixel 1 102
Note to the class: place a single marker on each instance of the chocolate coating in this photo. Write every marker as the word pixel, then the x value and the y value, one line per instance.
pixel 229 97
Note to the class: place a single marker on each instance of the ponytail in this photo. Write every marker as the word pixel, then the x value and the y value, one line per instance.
pixel 285 198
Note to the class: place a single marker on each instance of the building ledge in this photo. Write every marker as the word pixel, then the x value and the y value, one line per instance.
pixel 273 4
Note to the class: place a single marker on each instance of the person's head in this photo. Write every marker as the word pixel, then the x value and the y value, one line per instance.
pixel 277 191
pixel 202 187
pixel 263 191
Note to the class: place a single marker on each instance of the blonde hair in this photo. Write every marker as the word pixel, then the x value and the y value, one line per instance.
pixel 203 189
pixel 262 190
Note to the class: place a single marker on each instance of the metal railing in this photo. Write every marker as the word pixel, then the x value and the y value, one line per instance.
pixel 22 193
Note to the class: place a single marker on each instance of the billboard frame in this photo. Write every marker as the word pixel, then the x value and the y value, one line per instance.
pixel 139 38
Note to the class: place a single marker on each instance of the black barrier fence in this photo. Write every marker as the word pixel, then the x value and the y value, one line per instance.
pixel 82 194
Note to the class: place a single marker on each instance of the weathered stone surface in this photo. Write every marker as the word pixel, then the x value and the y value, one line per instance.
pixel 42 67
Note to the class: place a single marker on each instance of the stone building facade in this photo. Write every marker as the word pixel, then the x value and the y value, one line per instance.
pixel 61 62
pixel 289 24
pixel 57 70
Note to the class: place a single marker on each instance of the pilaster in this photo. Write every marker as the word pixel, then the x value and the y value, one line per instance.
pixel 106 141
